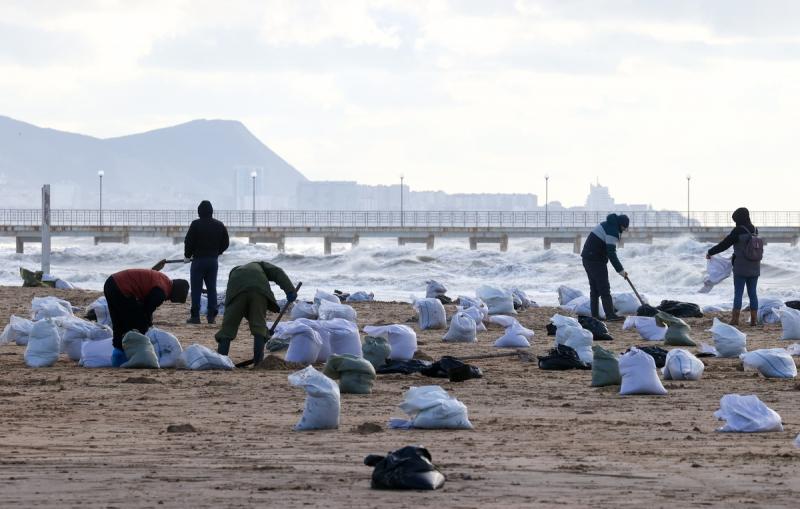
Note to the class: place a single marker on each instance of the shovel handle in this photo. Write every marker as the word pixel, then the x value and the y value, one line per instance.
pixel 634 290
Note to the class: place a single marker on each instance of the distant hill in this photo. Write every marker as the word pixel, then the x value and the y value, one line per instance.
pixel 174 167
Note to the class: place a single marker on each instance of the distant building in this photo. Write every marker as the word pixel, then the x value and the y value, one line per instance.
pixel 600 199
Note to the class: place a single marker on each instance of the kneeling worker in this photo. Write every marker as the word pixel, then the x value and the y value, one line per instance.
pixel 132 296
pixel 248 295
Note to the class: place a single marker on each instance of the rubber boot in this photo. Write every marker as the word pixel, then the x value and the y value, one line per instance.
pixel 223 346
pixel 735 317
pixel 259 342
pixel 608 307
pixel 753 317
pixel 594 304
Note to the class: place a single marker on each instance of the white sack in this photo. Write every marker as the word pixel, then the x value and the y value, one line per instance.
pixel 462 328
pixel 516 336
pixel 49 307
pixel 430 407
pixel 303 310
pixel 431 314
pixel 360 296
pixel 503 320
pixel 18 330
pixel 718 268
pixel 499 301
pixel 304 345
pixel 577 338
pixel 564 321
pixel 567 294
pixel 521 299
pixel 474 302
pixel 343 336
pixel 96 354
pixel 167 347
pixel 321 409
pixel 646 326
pixel 728 340
pixel 402 339
pixel 434 289
pixel 220 303
pixel 747 414
pixel 627 303
pixel 770 362
pixel 321 296
pixel 790 321
pixel 581 306
pixel 74 331
pixel 476 314
pixel 639 374
pixel 100 307
pixel 44 344
pixel 322 330
pixel 793 349
pixel 330 310
pixel 682 365
pixel 200 358
pixel 768 310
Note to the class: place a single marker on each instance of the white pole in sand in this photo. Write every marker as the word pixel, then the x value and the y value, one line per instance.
pixel 46 229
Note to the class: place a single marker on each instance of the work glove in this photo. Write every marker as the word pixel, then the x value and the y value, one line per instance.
pixel 118 357
pixel 291 297
pixel 624 274
pixel 186 260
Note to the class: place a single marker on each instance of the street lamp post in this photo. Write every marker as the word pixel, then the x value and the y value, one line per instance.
pixel 253 175
pixel 688 203
pixel 401 201
pixel 546 199
pixel 100 175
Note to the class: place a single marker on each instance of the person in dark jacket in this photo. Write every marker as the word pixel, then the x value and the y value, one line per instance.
pixel 249 296
pixel 745 271
pixel 132 296
pixel 206 239
pixel 600 248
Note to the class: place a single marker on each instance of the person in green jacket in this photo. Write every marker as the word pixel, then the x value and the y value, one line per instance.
pixel 248 295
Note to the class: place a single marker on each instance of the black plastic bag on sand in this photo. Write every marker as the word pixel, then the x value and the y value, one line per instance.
pixel 646 310
pixel 444 299
pixel 680 309
pixel 794 304
pixel 560 358
pixel 403 367
pixel 407 468
pixel 656 352
pixel 452 368
pixel 596 327
pixel 551 329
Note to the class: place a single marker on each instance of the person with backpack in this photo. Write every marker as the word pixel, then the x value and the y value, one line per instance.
pixel 748 249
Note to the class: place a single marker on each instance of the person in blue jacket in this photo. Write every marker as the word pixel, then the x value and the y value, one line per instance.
pixel 600 248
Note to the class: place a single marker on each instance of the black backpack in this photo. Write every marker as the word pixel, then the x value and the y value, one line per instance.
pixel 754 248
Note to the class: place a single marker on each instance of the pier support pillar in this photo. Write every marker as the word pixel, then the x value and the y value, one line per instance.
pixel 119 239
pixel 279 241
pixel 576 246
pixel 20 245
pixel 330 241
pixel 429 241
pixel 502 240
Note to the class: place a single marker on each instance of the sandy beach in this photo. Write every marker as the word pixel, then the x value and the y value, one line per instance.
pixel 73 437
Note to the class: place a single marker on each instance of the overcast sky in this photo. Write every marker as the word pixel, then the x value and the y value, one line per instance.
pixel 462 96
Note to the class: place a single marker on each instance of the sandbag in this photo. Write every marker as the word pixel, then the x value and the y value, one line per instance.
pixel 718 268
pixel 561 358
pixel 344 336
pixel 355 374
pixel 200 358
pixel 747 414
pixel 770 362
pixel 49 307
pixel 329 311
pixel 516 336
pixel 96 354
pixel 502 320
pixel 677 333
pixel 431 314
pixel 627 303
pixel 376 350
pixel 577 338
pixel 639 375
pixel 319 326
pixel 402 339
pixel 646 326
pixel 768 310
pixel 567 294
pixel 434 289
pixel 605 368
pixel 100 308
pixel 305 343
pixel 220 303
pixel 431 407
pixel 476 314
pixel 360 296
pixel 302 309
pixel 321 296
pixel 18 330
pixel 680 309
pixel 564 321
pixel 407 468
pixel 498 300
pixel 474 302
pixel 581 306
pixel 682 365
pixel 167 347
pixel 598 329
pixel 790 322
pixel 728 340
pixel 44 344
pixel 462 329
pixel 74 331
pixel 521 299
pixel 321 408
pixel 139 351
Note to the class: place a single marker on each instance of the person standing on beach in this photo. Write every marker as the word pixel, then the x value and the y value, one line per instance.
pixel 132 296
pixel 249 295
pixel 600 248
pixel 206 239
pixel 746 262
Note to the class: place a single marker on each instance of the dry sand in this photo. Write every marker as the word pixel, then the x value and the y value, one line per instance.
pixel 99 438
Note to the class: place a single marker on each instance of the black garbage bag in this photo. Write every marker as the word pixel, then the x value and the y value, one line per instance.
pixel 452 368
pixel 562 357
pixel 680 309
pixel 596 327
pixel 91 315
pixel 551 329
pixel 342 295
pixel 407 468
pixel 794 304
pixel 646 310
pixel 403 367
pixel 656 352
pixel 444 299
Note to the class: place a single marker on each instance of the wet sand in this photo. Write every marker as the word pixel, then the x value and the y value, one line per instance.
pixel 72 436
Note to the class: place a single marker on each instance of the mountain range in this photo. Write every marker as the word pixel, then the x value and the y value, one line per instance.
pixel 170 168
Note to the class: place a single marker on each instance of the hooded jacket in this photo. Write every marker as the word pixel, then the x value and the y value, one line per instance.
pixel 601 244
pixel 206 236
pixel 737 239
pixel 256 276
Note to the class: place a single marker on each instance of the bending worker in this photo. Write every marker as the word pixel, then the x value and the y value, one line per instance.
pixel 132 296
pixel 206 239
pixel 249 295
pixel 600 248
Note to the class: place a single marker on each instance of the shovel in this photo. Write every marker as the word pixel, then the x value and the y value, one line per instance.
pixel 160 265
pixel 634 290
pixel 246 363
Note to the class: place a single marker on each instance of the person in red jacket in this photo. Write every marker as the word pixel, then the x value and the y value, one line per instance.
pixel 132 296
